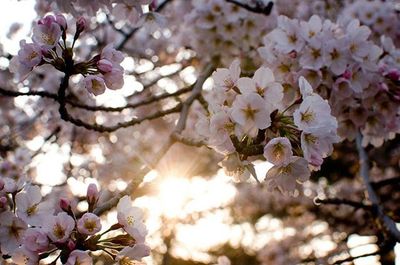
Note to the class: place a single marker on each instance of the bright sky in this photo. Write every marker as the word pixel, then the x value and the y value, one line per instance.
pixel 12 11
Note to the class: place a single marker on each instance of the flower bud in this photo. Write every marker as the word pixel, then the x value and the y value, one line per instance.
pixel 347 74
pixel 60 19
pixel 92 196
pixel 71 245
pixel 3 202
pixel 47 20
pixel 80 24
pixel 92 192
pixel 65 204
pixel 394 74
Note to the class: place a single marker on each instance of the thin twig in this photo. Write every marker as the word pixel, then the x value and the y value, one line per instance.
pixel 336 201
pixel 259 7
pixel 357 257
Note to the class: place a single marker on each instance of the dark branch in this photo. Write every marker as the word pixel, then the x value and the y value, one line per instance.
pixel 259 7
pixel 364 172
pixel 335 201
pixel 357 257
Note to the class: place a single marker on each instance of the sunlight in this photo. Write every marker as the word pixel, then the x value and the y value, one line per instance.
pixel 173 193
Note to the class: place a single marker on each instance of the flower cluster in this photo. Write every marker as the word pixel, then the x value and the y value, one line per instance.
pixel 342 64
pixel 104 70
pixel 381 16
pixel 224 30
pixel 30 231
pixel 133 8
pixel 250 116
pixel 50 46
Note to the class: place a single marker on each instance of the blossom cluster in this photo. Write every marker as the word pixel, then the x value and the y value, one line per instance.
pixel 250 116
pixel 381 16
pixel 30 230
pixel 50 47
pixel 224 30
pixel 344 66
pixel 131 7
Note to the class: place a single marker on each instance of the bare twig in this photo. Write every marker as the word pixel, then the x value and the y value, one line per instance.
pixel 357 257
pixel 364 172
pixel 259 6
pixel 351 203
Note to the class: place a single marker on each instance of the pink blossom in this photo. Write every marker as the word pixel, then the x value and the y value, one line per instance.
pixel 114 79
pixel 29 206
pixel 95 84
pixel 62 21
pixel 264 84
pixel 89 224
pixel 111 54
pixel 47 33
pixel 137 252
pixel 79 257
pixel 59 227
pixel 131 218
pixel 250 111
pixel 105 65
pixel 12 230
pixel 24 256
pixel 286 177
pixel 278 151
pixel 30 54
pixel 227 78
pixel 35 240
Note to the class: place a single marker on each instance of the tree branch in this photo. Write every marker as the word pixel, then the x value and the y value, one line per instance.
pixel 364 172
pixel 336 201
pixel 259 7
pixel 356 257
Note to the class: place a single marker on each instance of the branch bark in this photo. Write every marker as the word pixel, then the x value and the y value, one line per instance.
pixel 364 172
pixel 259 7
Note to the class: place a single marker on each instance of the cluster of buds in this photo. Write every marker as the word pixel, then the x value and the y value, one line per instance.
pixel 50 46
pixel 30 232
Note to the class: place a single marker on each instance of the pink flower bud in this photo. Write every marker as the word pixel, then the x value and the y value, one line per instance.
pixel 65 204
pixel 347 74
pixel 394 74
pixel 60 19
pixel 92 194
pixel 47 20
pixel 71 245
pixel 3 202
pixel 293 54
pixel 80 24
pixel 105 65
pixel 1 184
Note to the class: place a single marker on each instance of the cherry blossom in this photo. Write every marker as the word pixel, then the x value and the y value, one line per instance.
pixel 59 227
pixel 12 230
pixel 131 218
pixel 89 224
pixel 79 257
